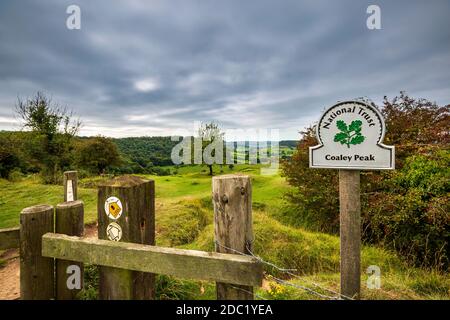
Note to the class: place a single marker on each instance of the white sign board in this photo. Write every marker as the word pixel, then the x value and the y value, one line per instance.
pixel 350 134
pixel 69 190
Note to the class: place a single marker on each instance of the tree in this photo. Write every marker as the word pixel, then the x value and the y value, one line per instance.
pixel 9 154
pixel 53 128
pixel 212 141
pixel 315 197
pixel 97 154
pixel 413 125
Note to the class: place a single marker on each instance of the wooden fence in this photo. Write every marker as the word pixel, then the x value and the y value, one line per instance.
pixel 51 243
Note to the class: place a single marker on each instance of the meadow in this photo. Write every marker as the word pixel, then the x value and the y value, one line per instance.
pixel 184 216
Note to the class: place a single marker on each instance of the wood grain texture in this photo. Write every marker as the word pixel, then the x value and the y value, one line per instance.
pixel 182 263
pixel 350 232
pixel 138 226
pixel 9 238
pixel 70 221
pixel 233 226
pixel 36 272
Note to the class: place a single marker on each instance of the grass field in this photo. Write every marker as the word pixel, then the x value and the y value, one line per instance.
pixel 184 219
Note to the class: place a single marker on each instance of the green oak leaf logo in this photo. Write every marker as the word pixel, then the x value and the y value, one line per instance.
pixel 349 134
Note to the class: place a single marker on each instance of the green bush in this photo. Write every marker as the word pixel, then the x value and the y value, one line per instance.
pixel 91 282
pixel 10 155
pixel 160 171
pixel 413 215
pixel 15 175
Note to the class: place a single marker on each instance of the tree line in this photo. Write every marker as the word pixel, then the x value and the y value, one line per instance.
pixel 49 145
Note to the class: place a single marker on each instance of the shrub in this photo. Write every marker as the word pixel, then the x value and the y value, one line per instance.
pixel 9 154
pixel 15 175
pixel 412 215
pixel 91 282
pixel 160 171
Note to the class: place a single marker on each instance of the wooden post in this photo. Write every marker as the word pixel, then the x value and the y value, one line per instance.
pixel 350 232
pixel 36 272
pixel 70 221
pixel 70 186
pixel 131 219
pixel 232 199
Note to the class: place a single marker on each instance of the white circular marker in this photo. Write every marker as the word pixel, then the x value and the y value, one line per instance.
pixel 114 232
pixel 113 208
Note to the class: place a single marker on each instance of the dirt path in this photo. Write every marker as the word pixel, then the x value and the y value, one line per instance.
pixel 10 272
pixel 9 275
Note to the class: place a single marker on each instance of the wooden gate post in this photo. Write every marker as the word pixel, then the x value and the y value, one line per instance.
pixel 70 186
pixel 126 213
pixel 70 221
pixel 37 277
pixel 232 199
pixel 350 232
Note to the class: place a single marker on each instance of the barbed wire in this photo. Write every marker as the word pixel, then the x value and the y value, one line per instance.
pixel 289 272
pixel 246 291
pixel 300 278
pixel 309 290
pixel 254 256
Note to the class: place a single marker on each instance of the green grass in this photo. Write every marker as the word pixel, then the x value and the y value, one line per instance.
pixel 315 256
pixel 184 218
pixel 15 196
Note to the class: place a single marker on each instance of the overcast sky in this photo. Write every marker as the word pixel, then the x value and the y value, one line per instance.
pixel 153 67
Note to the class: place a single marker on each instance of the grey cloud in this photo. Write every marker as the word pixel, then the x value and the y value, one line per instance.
pixel 243 63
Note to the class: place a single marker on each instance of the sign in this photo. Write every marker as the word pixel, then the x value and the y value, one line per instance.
pixel 69 190
pixel 114 231
pixel 113 208
pixel 350 134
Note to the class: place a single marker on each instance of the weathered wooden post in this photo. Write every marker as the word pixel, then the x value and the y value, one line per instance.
pixel 350 138
pixel 350 232
pixel 126 213
pixel 70 221
pixel 70 186
pixel 233 226
pixel 37 278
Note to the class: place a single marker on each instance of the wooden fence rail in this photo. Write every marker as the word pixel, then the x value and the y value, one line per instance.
pixel 9 238
pixel 188 264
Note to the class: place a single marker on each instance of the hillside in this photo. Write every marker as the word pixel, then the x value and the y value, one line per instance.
pixel 137 154
pixel 156 151
pixel 184 219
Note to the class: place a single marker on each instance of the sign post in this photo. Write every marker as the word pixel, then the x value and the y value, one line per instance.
pixel 350 232
pixel 350 138
pixel 126 213
pixel 70 186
